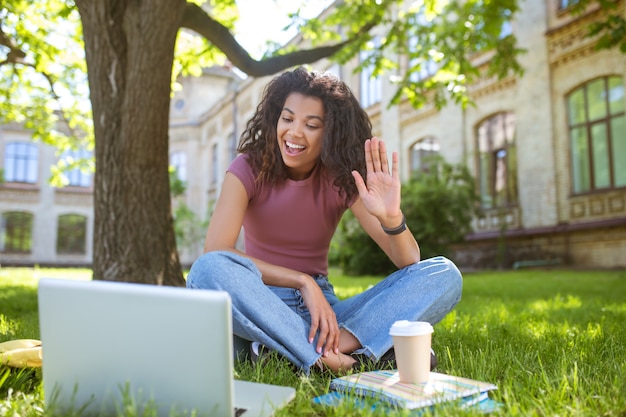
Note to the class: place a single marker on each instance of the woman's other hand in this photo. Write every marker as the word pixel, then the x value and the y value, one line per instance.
pixel 323 319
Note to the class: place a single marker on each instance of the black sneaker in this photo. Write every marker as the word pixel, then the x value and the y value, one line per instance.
pixel 363 363
pixel 433 360
pixel 259 354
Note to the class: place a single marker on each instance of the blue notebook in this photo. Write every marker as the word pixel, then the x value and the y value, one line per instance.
pixel 387 391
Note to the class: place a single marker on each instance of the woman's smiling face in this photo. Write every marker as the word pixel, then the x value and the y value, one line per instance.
pixel 300 130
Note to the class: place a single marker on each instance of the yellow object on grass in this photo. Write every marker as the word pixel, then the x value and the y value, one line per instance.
pixel 21 353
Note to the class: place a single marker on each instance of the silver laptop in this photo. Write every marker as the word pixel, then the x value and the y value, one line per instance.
pixel 107 343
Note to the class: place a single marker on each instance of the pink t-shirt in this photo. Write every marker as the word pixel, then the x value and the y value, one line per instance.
pixel 290 224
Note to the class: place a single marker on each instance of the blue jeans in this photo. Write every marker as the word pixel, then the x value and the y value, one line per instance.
pixel 277 317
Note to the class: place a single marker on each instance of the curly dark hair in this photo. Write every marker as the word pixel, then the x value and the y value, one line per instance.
pixel 346 128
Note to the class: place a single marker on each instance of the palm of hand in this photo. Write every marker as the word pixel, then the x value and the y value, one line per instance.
pixel 383 193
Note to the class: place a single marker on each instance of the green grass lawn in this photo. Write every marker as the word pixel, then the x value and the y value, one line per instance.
pixel 553 341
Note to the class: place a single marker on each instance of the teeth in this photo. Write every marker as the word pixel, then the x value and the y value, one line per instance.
pixel 294 146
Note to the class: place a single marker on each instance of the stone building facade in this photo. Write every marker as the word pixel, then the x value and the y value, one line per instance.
pixel 41 224
pixel 548 150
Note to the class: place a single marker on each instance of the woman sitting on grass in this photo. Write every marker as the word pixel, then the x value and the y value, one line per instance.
pixel 308 155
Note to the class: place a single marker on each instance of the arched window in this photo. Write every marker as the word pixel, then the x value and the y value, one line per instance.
pixel 497 161
pixel 421 153
pixel 71 234
pixel 597 131
pixel 16 232
pixel 20 162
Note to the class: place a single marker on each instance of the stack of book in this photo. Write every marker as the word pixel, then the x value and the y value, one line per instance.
pixel 387 390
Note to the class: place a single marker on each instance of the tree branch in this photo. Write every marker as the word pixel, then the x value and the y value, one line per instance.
pixel 15 53
pixel 49 78
pixel 200 22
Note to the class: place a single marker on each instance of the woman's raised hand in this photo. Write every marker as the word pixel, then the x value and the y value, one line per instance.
pixel 380 192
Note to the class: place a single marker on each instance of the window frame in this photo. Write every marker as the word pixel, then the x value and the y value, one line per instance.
pixel 77 177
pixel 214 164
pixel 21 232
pixel 423 154
pixel 371 91
pixel 491 199
pixel 75 243
pixel 428 67
pixel 233 144
pixel 22 166
pixel 587 127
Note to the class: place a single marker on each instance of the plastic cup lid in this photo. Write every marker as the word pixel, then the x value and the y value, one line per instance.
pixel 410 328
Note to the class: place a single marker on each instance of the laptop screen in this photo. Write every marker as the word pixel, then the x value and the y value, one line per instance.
pixel 165 347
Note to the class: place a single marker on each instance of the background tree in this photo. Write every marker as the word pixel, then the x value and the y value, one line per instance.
pixel 611 30
pixel 130 49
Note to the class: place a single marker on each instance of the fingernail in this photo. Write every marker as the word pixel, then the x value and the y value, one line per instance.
pixel 311 340
pixel 319 350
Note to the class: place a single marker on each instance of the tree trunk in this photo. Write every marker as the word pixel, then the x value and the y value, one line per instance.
pixel 129 47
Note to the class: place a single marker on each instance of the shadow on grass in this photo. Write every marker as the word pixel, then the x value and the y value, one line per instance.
pixel 19 313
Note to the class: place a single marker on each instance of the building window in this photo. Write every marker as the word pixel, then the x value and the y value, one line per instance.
pixel 232 146
pixel 178 161
pixel 71 234
pixel 419 68
pixel 497 161
pixel 78 174
pixel 371 86
pixel 597 129
pixel 214 165
pixel 16 234
pixel 422 152
pixel 20 162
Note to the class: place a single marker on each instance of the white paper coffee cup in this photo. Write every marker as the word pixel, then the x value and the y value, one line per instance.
pixel 412 343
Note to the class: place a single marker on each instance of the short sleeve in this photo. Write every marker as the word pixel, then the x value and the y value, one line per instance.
pixel 240 168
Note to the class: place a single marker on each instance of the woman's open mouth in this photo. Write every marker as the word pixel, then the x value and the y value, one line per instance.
pixel 294 149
